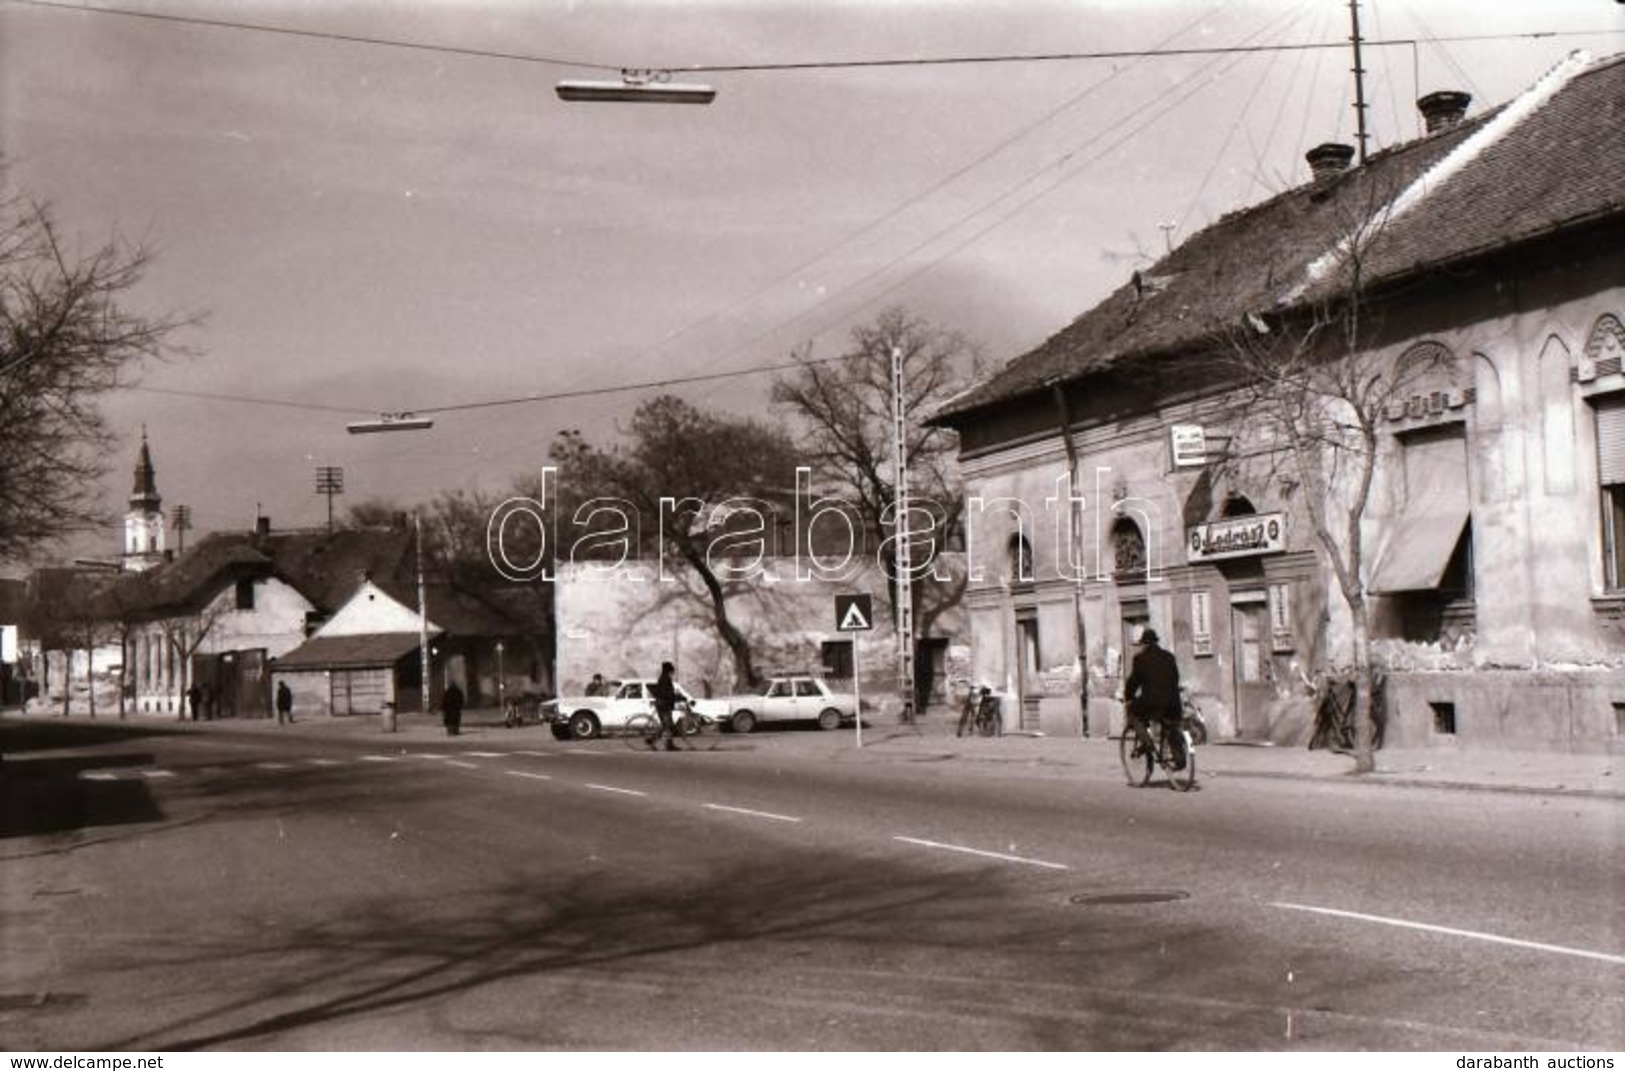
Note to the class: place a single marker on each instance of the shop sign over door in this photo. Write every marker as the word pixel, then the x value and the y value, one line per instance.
pixel 1236 537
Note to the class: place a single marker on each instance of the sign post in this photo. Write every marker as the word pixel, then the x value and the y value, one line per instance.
pixel 855 614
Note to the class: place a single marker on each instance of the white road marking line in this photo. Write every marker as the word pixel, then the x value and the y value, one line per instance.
pixel 376 758
pixel 986 855
pixel 753 814
pixel 272 766
pixel 527 773
pixel 97 775
pixel 325 762
pixel 463 765
pixel 612 788
pixel 153 775
pixel 1606 957
pixel 429 755
pixel 536 754
pixel 483 754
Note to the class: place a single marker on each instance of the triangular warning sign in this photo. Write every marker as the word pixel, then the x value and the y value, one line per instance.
pixel 853 620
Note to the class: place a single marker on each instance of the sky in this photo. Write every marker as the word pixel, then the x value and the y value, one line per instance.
pixel 383 206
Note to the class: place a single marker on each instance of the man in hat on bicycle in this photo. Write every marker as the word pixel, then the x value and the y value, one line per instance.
pixel 1152 693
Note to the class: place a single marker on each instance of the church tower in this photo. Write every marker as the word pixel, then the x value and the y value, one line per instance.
pixel 144 523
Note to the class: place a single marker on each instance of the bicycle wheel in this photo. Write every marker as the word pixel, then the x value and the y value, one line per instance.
pixel 1184 778
pixel 1136 759
pixel 695 732
pixel 642 732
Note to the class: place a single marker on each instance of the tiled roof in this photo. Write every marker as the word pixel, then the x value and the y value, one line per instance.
pixel 350 652
pixel 1560 166
pixel 324 567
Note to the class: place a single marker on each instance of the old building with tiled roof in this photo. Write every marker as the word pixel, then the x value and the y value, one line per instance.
pixel 1109 488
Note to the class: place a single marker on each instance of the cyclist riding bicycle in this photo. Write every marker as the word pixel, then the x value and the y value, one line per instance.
pixel 1152 693
pixel 665 700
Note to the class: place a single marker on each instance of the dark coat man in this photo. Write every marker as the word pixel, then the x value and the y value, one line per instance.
pixel 1152 688
pixel 451 709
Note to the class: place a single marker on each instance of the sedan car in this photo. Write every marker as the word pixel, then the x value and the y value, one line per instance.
pixel 585 717
pixel 789 699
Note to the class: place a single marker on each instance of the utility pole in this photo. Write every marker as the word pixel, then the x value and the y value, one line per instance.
pixel 423 614
pixel 183 524
pixel 904 604
pixel 1360 135
pixel 329 482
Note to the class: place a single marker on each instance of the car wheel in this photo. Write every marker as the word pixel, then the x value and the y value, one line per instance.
pixel 829 718
pixel 560 732
pixel 743 721
pixel 583 725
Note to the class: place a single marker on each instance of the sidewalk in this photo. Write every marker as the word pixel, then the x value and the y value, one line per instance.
pixel 1538 772
pixel 932 740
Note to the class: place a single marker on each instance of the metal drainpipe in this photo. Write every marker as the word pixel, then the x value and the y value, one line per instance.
pixel 1075 523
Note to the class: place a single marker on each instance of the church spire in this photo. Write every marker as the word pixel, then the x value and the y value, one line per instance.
pixel 144 523
pixel 144 496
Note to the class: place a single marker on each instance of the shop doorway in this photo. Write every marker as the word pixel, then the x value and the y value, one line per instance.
pixel 1250 632
pixel 1028 684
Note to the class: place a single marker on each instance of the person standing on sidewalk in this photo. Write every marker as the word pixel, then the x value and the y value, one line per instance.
pixel 284 703
pixel 451 709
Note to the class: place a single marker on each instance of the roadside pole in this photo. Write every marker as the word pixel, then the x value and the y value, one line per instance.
pixel 855 614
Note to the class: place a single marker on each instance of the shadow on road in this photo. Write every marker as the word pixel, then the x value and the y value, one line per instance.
pixel 44 796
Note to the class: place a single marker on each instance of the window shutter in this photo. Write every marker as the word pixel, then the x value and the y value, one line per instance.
pixel 1611 439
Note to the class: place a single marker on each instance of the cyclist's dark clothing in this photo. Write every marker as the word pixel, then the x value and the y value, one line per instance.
pixel 1152 692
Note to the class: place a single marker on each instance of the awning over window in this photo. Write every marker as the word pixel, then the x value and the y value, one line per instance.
pixel 1416 554
pixel 1421 541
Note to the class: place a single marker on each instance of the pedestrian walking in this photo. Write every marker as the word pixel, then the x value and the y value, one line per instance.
pixel 284 703
pixel 665 700
pixel 451 709
pixel 194 698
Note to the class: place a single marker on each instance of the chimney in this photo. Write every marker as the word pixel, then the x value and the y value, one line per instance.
pixel 1444 109
pixel 1329 159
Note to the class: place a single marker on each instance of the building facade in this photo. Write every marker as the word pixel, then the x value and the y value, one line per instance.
pixel 1118 478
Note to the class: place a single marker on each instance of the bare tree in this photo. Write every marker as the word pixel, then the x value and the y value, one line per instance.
pixel 678 464
pixel 847 407
pixel 185 635
pixel 66 338
pixel 1309 413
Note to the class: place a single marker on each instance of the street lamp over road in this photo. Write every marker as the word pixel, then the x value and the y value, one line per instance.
pixel 391 422
pixel 637 87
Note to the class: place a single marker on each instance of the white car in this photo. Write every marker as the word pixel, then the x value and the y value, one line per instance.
pixel 792 699
pixel 588 716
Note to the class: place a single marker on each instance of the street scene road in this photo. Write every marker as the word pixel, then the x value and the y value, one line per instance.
pixel 211 888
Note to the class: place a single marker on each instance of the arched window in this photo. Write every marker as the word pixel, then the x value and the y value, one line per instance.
pixel 1128 551
pixel 1020 555
pixel 1238 506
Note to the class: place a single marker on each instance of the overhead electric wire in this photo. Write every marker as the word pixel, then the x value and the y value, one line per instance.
pixel 1159 51
pixel 748 68
pixel 917 197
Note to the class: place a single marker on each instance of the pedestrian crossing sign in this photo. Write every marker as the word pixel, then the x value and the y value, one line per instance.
pixel 854 613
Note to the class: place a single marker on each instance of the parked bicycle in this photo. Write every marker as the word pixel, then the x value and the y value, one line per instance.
pixel 522 710
pixel 1145 744
pixel 1194 723
pixel 692 730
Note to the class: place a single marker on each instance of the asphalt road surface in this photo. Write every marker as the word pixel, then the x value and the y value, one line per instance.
pixel 198 890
